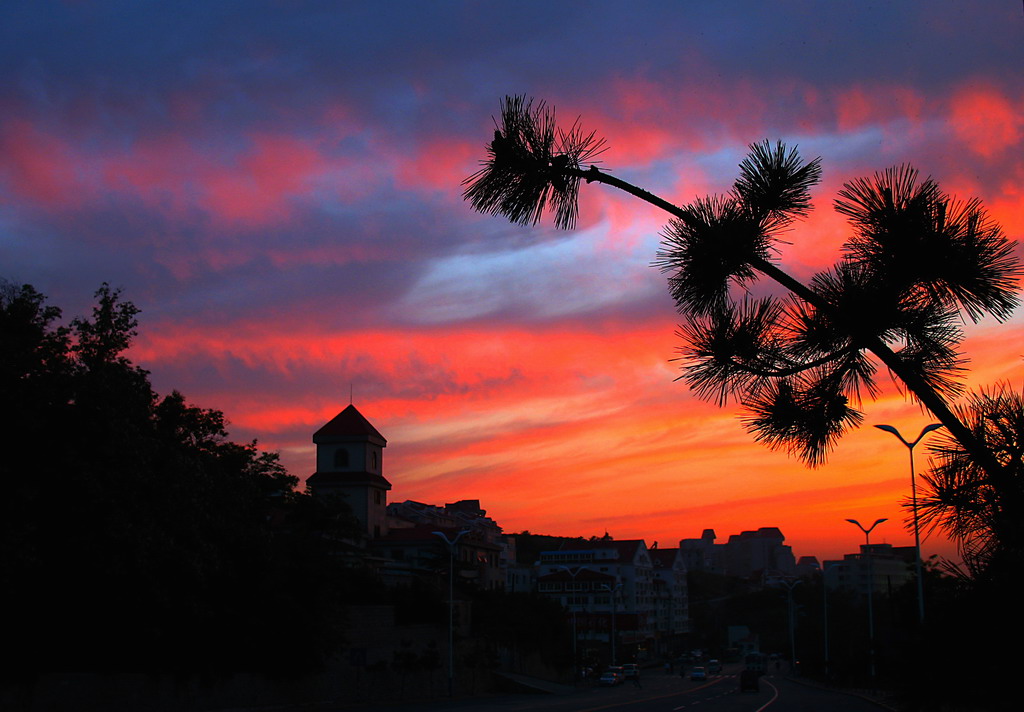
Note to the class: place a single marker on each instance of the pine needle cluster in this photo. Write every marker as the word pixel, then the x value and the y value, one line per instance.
pixel 799 361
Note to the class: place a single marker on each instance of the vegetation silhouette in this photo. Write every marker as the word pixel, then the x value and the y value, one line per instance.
pixel 919 263
pixel 136 535
pixel 138 538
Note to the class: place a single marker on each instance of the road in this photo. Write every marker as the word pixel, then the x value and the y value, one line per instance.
pixel 664 693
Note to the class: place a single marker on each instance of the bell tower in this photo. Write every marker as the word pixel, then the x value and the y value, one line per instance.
pixel 349 463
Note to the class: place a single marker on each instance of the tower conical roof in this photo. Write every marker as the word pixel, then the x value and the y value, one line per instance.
pixel 348 423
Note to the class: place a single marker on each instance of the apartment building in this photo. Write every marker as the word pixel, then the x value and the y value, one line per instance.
pixel 883 567
pixel 620 599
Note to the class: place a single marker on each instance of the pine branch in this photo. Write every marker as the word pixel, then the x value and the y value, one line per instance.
pixel 531 166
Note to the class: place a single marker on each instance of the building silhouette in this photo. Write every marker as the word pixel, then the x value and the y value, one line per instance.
pixel 350 464
pixel 613 590
pixel 402 540
pixel 883 567
pixel 619 588
pixel 760 553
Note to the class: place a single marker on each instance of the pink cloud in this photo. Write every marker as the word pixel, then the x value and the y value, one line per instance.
pixel 986 120
pixel 860 106
pixel 440 164
pixel 40 166
pixel 258 182
pixel 258 190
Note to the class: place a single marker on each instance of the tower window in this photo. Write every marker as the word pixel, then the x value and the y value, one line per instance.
pixel 341 457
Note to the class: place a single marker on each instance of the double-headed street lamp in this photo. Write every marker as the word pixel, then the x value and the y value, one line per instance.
pixel 789 585
pixel 575 664
pixel 824 613
pixel 612 590
pixel 451 604
pixel 913 495
pixel 871 590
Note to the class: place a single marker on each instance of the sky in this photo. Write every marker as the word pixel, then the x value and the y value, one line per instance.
pixel 276 185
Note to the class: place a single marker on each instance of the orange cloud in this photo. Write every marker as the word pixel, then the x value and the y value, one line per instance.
pixel 569 429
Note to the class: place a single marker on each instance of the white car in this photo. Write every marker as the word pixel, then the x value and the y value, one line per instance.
pixel 611 678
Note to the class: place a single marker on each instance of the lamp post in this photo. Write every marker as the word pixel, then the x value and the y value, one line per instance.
pixel 871 591
pixel 575 663
pixel 789 585
pixel 913 496
pixel 451 605
pixel 824 613
pixel 612 590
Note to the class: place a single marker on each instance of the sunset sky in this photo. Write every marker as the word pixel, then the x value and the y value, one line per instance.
pixel 277 186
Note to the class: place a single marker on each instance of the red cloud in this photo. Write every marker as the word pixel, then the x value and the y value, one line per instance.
pixel 987 121
pixel 255 183
pixel 861 106
pixel 592 408
pixel 440 164
pixel 275 170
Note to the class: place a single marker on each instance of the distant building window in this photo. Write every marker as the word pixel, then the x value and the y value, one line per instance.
pixel 341 457
pixel 373 459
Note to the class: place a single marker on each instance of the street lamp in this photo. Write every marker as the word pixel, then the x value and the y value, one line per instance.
pixel 451 605
pixel 824 613
pixel 612 590
pixel 789 585
pixel 575 663
pixel 913 495
pixel 871 590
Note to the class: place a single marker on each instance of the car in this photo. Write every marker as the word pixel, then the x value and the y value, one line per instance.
pixel 610 678
pixel 748 681
pixel 630 670
pixel 699 673
pixel 714 666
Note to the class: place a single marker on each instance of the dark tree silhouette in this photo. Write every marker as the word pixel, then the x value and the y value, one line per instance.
pixel 135 535
pixel 959 497
pixel 919 263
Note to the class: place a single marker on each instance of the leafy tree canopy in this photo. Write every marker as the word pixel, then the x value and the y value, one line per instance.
pixel 135 534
